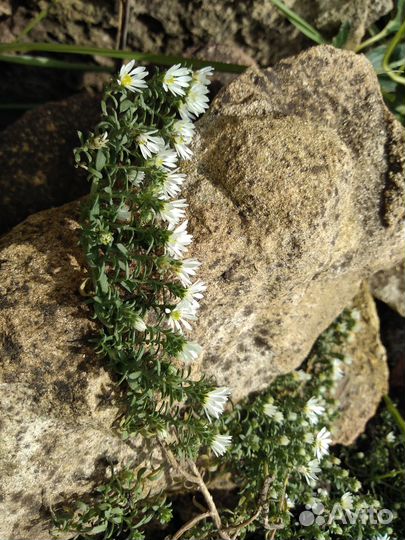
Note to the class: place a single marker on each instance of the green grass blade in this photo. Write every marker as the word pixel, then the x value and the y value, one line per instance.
pixel 44 62
pixel 300 23
pixel 161 59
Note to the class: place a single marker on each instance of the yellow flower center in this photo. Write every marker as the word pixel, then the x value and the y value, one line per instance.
pixel 176 315
pixel 126 80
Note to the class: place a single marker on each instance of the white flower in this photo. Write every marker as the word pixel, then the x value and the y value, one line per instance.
pixel 99 141
pixel 290 502
pixel 382 537
pixel 148 144
pixel 313 409
pixel 194 293
pixel 178 317
pixel 184 128
pixel 301 375
pixel 308 438
pixel 284 441
pixel 272 411
pixel 310 471
pixel 172 184
pixel 220 443
pixel 214 402
pixel 176 79
pixel 346 501
pixel 166 158
pixel 338 373
pixel 189 352
pixel 183 131
pixel 139 324
pixel 322 442
pixel 187 268
pixel 132 78
pixel 390 438
pixel 135 177
pixel 173 211
pixel 197 100
pixel 201 75
pixel 124 214
pixel 178 240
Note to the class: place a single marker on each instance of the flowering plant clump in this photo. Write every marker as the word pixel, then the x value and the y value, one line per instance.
pixel 135 238
pixel 146 295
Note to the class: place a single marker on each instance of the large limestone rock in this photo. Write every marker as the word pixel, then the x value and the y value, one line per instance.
pixel 366 377
pixel 291 171
pixel 292 203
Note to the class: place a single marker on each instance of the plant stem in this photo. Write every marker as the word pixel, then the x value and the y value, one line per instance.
pixel 190 524
pixel 396 415
pixel 209 500
pixel 394 42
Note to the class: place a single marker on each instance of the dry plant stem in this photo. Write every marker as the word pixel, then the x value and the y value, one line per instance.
pixel 209 500
pixel 190 524
pixel 176 465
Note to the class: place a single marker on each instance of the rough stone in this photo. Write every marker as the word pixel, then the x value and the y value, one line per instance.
pixel 56 399
pixel 366 378
pixel 389 287
pixel 295 196
pixel 292 204
pixel 36 153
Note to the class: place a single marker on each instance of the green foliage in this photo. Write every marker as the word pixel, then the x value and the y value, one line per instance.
pixel 120 508
pixel 378 459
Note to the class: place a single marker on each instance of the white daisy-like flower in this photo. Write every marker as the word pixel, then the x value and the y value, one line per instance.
pixel 189 352
pixel 338 372
pixel 197 100
pixel 301 375
pixel 166 158
pixel 139 324
pixel 173 211
pixel 390 438
pixel 313 409
pixel 176 79
pixel 284 440
pixel 178 241
pixel 124 214
pixel 135 177
pixel 178 318
pixel 132 78
pixel 172 184
pixel 272 411
pixel 201 75
pixel 99 141
pixel 183 131
pixel 214 402
pixel 346 501
pixel 382 537
pixel 310 471
pixel 195 293
pixel 148 144
pixel 322 443
pixel 186 269
pixel 220 444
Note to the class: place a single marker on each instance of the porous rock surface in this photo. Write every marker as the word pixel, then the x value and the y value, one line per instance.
pixel 366 376
pixel 389 287
pixel 295 197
